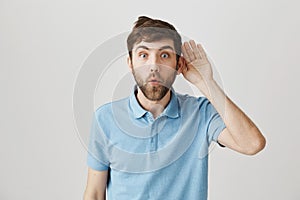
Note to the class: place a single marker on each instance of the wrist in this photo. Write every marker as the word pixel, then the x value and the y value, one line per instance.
pixel 207 87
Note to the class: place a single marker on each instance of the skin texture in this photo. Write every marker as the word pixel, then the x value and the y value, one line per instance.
pixel 155 72
pixel 96 185
pixel 154 61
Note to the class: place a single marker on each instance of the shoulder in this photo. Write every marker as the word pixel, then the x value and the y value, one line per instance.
pixel 192 101
pixel 191 104
pixel 105 111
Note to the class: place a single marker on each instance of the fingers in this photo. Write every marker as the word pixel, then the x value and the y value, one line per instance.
pixel 201 51
pixel 192 51
pixel 187 52
pixel 195 49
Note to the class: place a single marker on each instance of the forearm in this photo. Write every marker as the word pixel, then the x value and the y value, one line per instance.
pixel 96 185
pixel 240 134
pixel 93 196
pixel 242 129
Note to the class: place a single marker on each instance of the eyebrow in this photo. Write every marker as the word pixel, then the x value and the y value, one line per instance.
pixel 161 48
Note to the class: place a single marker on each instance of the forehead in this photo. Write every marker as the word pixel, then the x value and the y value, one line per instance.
pixel 155 44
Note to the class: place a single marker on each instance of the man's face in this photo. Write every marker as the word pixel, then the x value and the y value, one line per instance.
pixel 153 66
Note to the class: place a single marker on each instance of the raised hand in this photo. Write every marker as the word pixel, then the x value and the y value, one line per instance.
pixel 196 68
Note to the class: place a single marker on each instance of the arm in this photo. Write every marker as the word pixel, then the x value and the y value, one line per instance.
pixel 96 185
pixel 240 134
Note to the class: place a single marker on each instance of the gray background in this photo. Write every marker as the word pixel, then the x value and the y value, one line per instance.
pixel 254 45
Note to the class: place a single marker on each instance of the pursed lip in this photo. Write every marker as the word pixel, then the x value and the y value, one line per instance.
pixel 154 81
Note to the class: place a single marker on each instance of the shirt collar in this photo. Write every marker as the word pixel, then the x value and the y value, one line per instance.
pixel 137 110
pixel 172 109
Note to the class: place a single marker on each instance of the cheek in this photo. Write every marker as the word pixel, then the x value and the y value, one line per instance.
pixel 140 72
pixel 171 64
pixel 138 64
pixel 169 68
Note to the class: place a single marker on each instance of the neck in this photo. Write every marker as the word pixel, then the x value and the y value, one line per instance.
pixel 155 107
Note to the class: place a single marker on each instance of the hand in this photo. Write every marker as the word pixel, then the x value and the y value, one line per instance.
pixel 196 68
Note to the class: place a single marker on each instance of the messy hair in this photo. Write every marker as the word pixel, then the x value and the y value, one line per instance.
pixel 151 30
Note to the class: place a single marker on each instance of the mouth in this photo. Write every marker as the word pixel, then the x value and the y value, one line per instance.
pixel 154 82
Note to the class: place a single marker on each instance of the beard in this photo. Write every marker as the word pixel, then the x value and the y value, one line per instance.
pixel 154 92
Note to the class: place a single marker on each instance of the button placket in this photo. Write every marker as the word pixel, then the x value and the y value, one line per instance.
pixel 154 138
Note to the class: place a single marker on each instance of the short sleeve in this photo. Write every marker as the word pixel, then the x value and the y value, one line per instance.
pixel 97 158
pixel 215 124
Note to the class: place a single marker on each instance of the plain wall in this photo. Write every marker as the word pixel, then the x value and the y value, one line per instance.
pixel 43 44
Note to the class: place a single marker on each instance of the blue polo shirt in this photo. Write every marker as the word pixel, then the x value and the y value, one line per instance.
pixel 153 159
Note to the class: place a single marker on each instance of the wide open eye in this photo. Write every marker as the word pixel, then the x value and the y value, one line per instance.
pixel 142 55
pixel 165 55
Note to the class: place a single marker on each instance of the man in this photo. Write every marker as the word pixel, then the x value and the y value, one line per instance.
pixel 154 144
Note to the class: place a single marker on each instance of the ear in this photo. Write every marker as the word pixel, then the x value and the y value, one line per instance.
pixel 180 64
pixel 129 62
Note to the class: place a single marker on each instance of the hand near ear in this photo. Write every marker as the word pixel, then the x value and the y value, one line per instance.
pixel 195 66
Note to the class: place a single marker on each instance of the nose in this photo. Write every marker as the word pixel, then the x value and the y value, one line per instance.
pixel 154 68
pixel 153 62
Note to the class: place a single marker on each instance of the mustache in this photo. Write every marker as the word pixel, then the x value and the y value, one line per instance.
pixel 154 75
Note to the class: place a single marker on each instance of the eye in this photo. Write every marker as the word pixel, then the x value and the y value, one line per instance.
pixel 165 55
pixel 142 55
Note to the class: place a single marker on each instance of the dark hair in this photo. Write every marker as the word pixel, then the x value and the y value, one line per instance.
pixel 150 30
